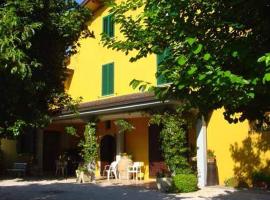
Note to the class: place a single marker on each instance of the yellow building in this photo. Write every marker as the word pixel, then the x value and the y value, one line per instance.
pixel 102 77
pixel 8 153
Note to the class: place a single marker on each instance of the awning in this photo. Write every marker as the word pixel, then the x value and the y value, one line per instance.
pixel 118 104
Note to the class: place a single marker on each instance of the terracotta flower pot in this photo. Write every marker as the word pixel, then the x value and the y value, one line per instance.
pixel 122 167
pixel 164 184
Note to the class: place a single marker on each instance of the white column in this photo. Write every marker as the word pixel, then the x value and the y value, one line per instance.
pixel 119 145
pixel 201 152
pixel 39 148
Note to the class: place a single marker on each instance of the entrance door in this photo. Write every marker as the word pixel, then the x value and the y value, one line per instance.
pixel 51 147
pixel 156 160
pixel 107 151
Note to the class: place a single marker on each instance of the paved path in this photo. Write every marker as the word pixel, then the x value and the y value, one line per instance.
pixel 17 189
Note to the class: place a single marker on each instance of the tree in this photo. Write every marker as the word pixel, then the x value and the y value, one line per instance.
pixel 218 51
pixel 36 39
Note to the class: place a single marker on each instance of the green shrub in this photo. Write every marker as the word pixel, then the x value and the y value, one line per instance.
pixel 259 177
pixel 185 183
pixel 231 182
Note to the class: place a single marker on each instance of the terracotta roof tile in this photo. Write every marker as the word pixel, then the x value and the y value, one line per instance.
pixel 117 101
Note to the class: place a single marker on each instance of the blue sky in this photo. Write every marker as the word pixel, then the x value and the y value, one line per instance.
pixel 79 1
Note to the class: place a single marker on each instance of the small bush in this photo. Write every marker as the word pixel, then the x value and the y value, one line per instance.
pixel 260 179
pixel 185 183
pixel 231 182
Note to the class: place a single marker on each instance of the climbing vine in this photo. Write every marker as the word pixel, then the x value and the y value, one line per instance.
pixel 89 144
pixel 173 139
pixel 123 126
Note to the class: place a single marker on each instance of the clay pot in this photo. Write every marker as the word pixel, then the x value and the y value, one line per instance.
pixel 164 184
pixel 123 166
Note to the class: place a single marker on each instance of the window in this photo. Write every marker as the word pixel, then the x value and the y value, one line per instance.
pixel 107 79
pixel 160 57
pixel 108 26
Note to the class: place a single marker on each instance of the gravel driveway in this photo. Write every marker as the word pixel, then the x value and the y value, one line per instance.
pixel 16 189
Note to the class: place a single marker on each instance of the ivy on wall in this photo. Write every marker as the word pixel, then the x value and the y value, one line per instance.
pixel 173 140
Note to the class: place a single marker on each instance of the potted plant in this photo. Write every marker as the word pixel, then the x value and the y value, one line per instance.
pixel 164 181
pixel 173 145
pixel 89 154
pixel 211 157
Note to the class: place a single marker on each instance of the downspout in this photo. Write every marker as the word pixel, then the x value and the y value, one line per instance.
pixel 201 152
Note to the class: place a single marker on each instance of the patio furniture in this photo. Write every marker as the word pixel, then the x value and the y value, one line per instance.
pixel 111 170
pixel 135 170
pixel 61 167
pixel 18 168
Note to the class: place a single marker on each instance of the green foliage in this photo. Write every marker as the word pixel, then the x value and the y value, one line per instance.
pixel 36 39
pixel 259 177
pixel 163 174
pixel 185 183
pixel 17 127
pixel 219 51
pixel 231 182
pixel 173 139
pixel 265 59
pixel 211 154
pixel 71 130
pixel 123 126
pixel 90 144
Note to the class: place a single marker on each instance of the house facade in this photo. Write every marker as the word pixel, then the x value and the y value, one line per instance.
pixel 102 77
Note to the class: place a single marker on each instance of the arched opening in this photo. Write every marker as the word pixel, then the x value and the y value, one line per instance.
pixel 107 150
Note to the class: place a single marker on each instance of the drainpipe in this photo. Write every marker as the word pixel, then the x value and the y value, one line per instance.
pixel 201 152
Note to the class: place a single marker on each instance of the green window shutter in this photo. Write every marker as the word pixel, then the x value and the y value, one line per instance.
pixel 160 57
pixel 107 79
pixel 111 78
pixel 104 75
pixel 111 26
pixel 108 26
pixel 105 25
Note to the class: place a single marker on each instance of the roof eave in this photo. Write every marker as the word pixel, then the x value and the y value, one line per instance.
pixel 92 4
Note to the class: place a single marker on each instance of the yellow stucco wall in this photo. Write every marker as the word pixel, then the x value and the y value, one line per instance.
pixel 137 143
pixel 87 78
pixel 8 148
pixel 238 152
pixel 87 65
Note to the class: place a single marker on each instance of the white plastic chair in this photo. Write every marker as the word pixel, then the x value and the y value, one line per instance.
pixel 135 170
pixel 111 170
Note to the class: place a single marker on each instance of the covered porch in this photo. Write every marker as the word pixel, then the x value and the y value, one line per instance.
pixel 141 144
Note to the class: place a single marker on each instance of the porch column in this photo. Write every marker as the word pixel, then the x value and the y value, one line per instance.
pixel 119 145
pixel 201 152
pixel 39 149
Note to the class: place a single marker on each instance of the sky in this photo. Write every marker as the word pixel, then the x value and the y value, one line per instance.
pixel 79 1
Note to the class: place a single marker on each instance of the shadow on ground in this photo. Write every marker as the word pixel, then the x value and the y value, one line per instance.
pixel 58 190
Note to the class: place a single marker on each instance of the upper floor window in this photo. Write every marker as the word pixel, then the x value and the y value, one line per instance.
pixel 107 79
pixel 160 57
pixel 108 26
